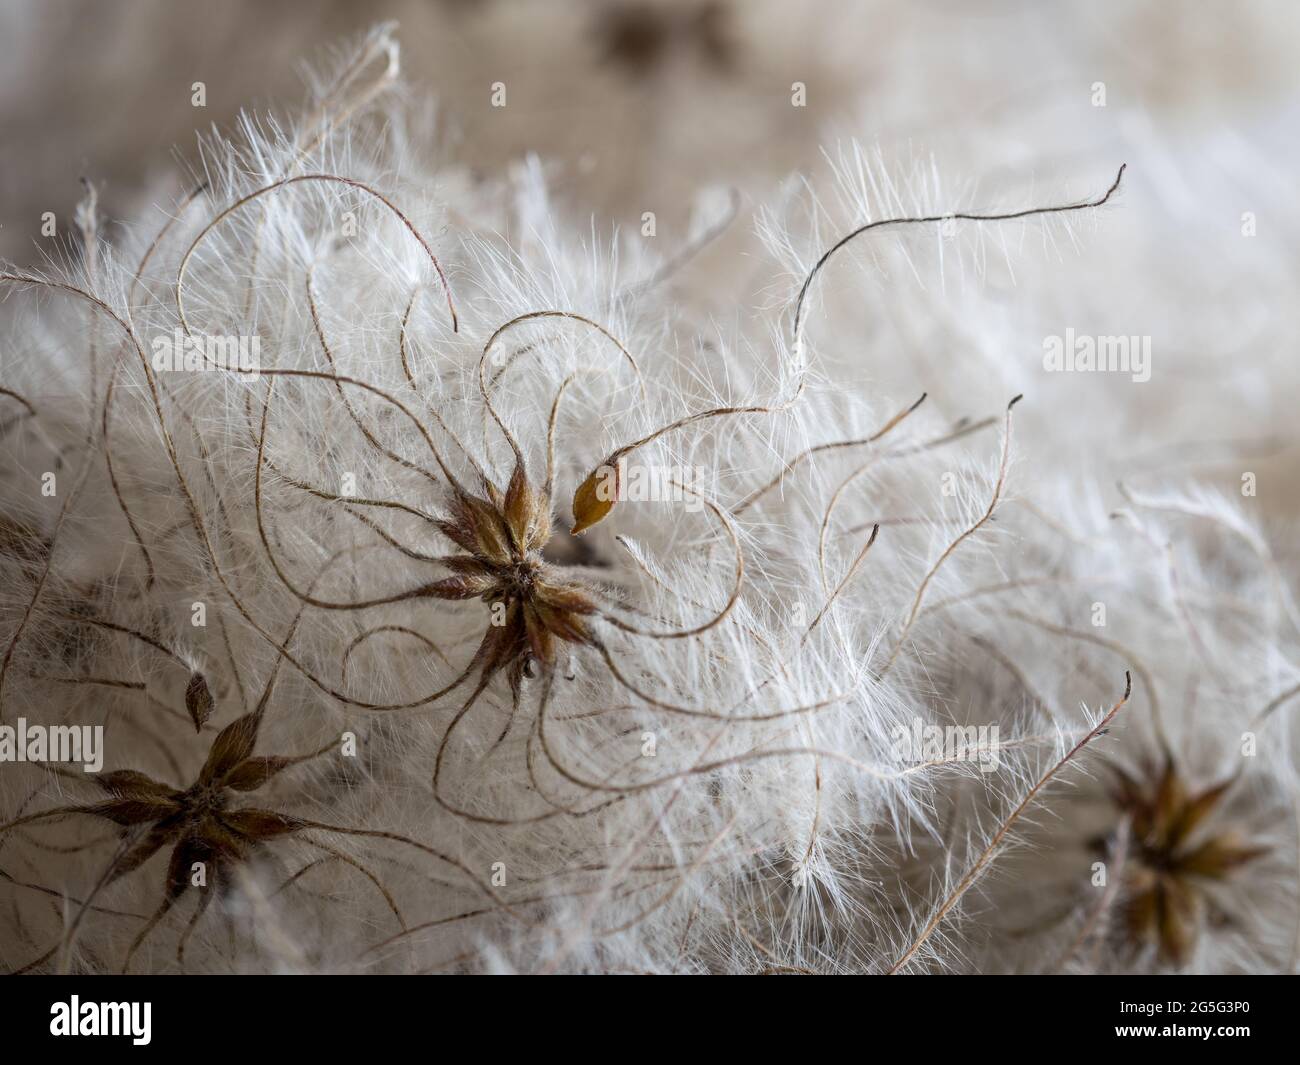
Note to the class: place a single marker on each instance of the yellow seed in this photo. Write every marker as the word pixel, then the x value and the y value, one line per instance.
pixel 592 501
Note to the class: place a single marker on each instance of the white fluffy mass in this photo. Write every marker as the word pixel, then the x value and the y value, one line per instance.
pixel 725 779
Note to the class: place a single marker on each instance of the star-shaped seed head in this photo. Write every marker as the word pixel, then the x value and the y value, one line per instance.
pixel 534 603
pixel 1176 852
pixel 197 822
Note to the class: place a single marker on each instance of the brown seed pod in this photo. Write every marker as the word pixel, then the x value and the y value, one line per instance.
pixel 534 604
pixel 1175 851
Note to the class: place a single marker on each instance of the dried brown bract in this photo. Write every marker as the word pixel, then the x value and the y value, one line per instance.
pixel 533 603
pixel 199 822
pixel 1172 857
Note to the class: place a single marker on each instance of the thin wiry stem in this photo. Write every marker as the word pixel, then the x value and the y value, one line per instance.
pixel 984 518
pixel 1277 701
pixel 737 583
pixel 837 445
pixel 999 837
pixel 283 183
pixel 64 510
pixel 137 539
pixel 848 238
pixel 402 346
pixel 1117 648
pixel 518 320
pixel 18 398
pixel 343 396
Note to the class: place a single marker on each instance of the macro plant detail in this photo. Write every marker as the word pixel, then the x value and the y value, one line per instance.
pixel 550 725
pixel 216 843
pixel 1176 849
pixel 197 823
pixel 504 565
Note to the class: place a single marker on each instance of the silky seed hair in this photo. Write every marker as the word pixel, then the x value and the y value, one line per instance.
pixel 488 716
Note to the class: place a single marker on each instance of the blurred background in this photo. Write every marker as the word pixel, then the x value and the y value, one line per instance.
pixel 634 102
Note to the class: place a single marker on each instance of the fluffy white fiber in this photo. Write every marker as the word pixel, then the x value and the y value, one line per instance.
pixel 729 800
